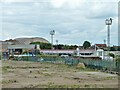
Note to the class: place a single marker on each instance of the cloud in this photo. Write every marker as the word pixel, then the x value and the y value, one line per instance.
pixel 73 21
pixel 103 10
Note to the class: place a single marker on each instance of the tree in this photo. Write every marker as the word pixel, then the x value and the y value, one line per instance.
pixel 112 49
pixel 65 47
pixel 118 49
pixel 43 45
pixel 25 52
pixel 86 44
pixel 112 55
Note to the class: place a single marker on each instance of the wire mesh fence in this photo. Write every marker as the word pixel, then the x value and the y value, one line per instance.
pixel 93 64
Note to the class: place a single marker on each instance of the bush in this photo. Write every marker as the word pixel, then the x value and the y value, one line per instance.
pixel 112 55
pixel 49 56
pixel 117 59
pixel 12 56
pixel 25 52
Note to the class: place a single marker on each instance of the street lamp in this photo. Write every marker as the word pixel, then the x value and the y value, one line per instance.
pixel 52 32
pixel 108 22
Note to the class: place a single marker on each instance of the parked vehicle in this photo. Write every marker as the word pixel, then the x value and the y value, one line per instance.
pixel 64 56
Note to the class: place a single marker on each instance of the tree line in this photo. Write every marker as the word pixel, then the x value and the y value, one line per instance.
pixel 86 45
pixel 49 46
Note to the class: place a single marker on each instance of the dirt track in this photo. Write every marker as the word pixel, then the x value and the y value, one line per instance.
pixel 21 74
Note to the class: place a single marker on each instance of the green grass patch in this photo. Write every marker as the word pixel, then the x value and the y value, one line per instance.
pixel 85 69
pixel 30 71
pixel 39 72
pixel 58 86
pixel 110 77
pixel 87 86
pixel 49 75
pixel 7 67
pixel 9 81
pixel 35 77
pixel 67 77
pixel 47 67
pixel 50 83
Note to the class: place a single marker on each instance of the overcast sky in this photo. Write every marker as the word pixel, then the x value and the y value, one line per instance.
pixel 73 20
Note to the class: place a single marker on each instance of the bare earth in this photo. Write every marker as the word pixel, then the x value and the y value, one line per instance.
pixel 23 74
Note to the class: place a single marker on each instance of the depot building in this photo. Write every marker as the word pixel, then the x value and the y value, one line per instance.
pixel 19 49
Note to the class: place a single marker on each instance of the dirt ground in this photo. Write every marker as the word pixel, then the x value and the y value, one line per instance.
pixel 24 74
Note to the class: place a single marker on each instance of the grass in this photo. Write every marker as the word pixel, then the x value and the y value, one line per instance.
pixel 75 71
pixel 59 86
pixel 4 69
pixel 11 71
pixel 39 72
pixel 85 69
pixel 74 67
pixel 87 86
pixel 7 67
pixel 46 74
pixel 47 67
pixel 110 77
pixel 62 66
pixel 26 67
pixel 95 86
pixel 67 77
pixel 35 77
pixel 50 83
pixel 9 81
pixel 30 71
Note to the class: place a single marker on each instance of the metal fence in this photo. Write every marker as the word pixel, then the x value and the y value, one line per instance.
pixel 93 64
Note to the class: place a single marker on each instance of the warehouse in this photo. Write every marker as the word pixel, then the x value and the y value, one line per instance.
pixel 21 48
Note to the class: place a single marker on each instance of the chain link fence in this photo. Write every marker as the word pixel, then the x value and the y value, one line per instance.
pixel 93 64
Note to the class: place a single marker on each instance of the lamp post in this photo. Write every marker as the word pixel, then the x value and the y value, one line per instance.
pixel 108 22
pixel 52 32
pixel 104 41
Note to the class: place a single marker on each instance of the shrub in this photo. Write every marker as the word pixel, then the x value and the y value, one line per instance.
pixel 12 56
pixel 117 59
pixel 30 71
pixel 112 55
pixel 25 52
pixel 49 56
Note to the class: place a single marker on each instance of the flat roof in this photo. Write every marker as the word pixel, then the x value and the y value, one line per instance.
pixel 22 47
pixel 65 50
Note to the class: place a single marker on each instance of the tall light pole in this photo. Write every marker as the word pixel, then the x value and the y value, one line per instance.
pixel 52 32
pixel 104 41
pixel 108 22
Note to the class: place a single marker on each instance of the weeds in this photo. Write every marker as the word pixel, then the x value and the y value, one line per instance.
pixel 47 67
pixel 50 83
pixel 110 77
pixel 46 74
pixel 30 71
pixel 39 72
pixel 87 86
pixel 67 77
pixel 35 77
pixel 10 81
pixel 85 69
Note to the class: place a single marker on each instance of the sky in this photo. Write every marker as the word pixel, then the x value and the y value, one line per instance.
pixel 74 21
